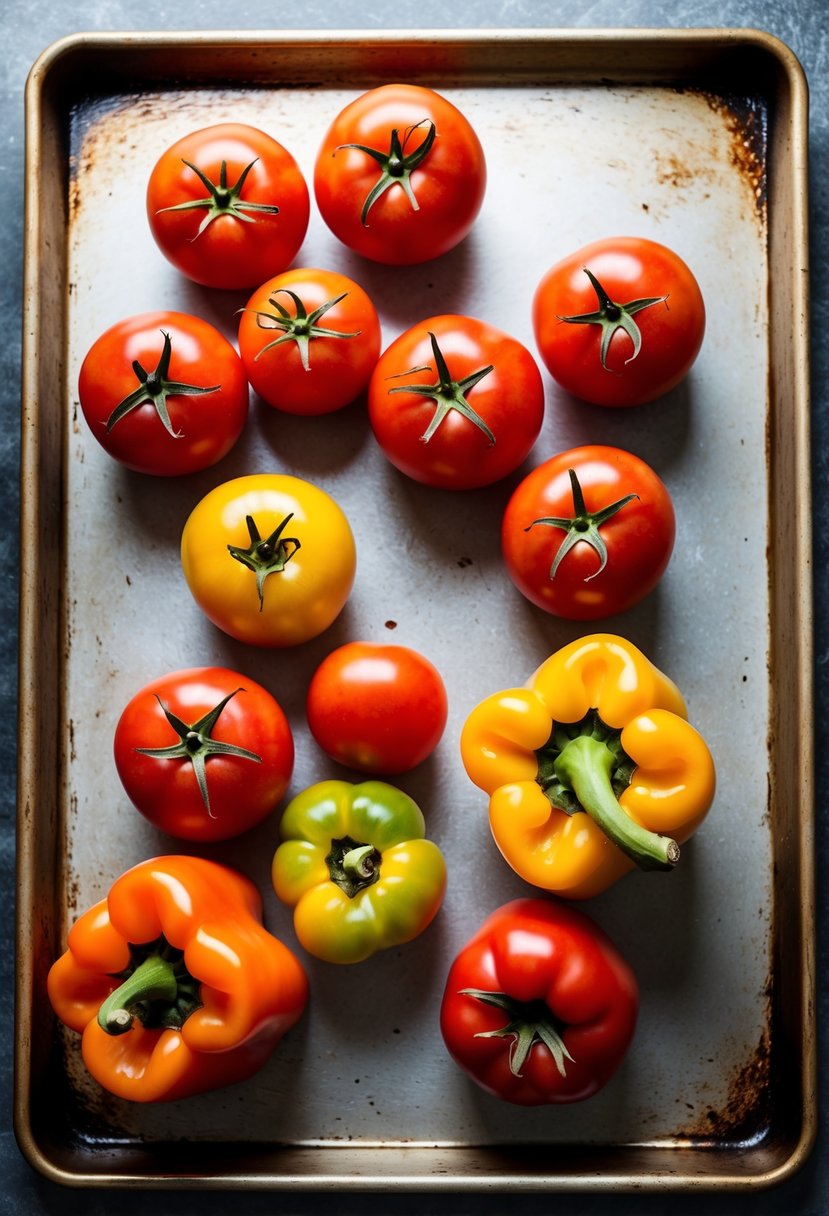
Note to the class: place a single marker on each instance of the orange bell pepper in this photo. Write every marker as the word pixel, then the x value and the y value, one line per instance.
pixel 591 768
pixel 174 983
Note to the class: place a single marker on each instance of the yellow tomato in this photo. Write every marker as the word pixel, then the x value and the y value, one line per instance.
pixel 269 558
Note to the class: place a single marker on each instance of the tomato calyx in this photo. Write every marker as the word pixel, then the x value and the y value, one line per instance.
pixel 301 327
pixel 612 316
pixel 196 744
pixel 157 989
pixel 353 866
pixel 154 388
pixel 529 1022
pixel 396 165
pixel 268 556
pixel 583 526
pixel 448 394
pixel 222 199
pixel 583 767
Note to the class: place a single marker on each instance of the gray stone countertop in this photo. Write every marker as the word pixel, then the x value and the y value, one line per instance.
pixel 28 26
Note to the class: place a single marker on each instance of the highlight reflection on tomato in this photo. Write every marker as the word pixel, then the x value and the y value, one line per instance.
pixel 377 708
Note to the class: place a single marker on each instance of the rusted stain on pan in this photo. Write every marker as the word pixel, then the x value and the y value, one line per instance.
pixel 746 1116
pixel 746 120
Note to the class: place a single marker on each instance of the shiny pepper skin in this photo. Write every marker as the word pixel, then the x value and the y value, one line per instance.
pixel 591 768
pixel 173 982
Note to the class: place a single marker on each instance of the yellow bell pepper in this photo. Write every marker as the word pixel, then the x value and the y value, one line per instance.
pixel 591 769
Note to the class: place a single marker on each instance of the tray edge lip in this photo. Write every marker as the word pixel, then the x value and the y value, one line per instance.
pixel 755 36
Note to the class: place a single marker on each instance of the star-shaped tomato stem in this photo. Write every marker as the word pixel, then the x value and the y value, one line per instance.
pixel 584 526
pixel 448 394
pixel 154 388
pixel 196 744
pixel 612 316
pixel 396 165
pixel 268 556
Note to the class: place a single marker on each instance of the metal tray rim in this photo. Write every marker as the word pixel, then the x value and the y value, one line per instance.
pixel 31 622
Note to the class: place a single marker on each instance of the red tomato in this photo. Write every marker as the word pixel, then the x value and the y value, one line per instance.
pixel 309 340
pixel 583 548
pixel 539 1006
pixel 164 393
pixel 456 403
pixel 629 333
pixel 221 753
pixel 377 708
pixel 228 206
pixel 400 175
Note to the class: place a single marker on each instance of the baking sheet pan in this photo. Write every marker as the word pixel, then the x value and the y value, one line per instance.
pixel 692 138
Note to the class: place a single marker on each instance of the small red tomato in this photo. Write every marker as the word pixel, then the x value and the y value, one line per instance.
pixel 620 322
pixel 164 393
pixel 456 403
pixel 400 176
pixel 377 708
pixel 309 340
pixel 540 1006
pixel 228 206
pixel 588 533
pixel 204 753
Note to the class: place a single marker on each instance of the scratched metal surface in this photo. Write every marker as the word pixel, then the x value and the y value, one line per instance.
pixel 367 1064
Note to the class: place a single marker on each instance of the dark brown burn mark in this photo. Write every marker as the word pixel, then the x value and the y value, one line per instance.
pixel 391 624
pixel 746 120
pixel 746 1115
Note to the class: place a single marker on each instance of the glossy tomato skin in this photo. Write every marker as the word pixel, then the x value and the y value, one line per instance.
pixel 628 268
pixel 449 184
pixel 229 252
pixel 459 455
pixel 299 602
pixel 206 425
pixel 540 952
pixel 377 708
pixel 338 369
pixel 639 537
pixel 241 792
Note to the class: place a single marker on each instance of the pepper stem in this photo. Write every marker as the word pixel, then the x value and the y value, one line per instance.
pixel 353 865
pixel 585 765
pixel 152 980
